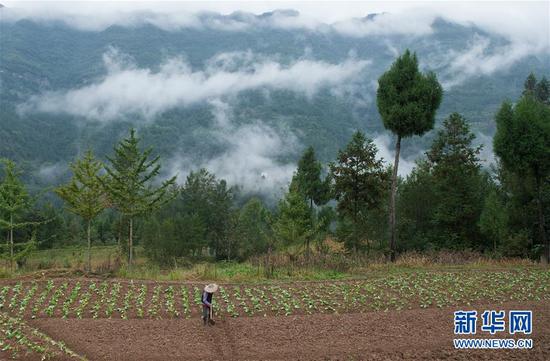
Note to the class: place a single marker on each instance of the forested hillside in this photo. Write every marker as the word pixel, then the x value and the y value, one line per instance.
pixel 40 59
pixel 234 138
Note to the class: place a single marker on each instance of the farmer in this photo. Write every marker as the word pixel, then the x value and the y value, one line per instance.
pixel 207 302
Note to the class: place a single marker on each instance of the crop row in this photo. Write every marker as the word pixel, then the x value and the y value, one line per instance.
pixel 106 299
pixel 20 341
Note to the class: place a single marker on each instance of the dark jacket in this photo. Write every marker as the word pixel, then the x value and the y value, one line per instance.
pixel 206 299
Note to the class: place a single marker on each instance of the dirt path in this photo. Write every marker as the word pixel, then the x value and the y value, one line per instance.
pixel 411 334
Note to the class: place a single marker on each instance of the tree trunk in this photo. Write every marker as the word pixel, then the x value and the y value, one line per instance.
pixel 7 248
pixel 229 249
pixel 268 265
pixel 393 230
pixel 130 243
pixel 307 239
pixel 11 242
pixel 542 226
pixel 89 247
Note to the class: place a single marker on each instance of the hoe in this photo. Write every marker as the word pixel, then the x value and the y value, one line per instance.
pixel 210 320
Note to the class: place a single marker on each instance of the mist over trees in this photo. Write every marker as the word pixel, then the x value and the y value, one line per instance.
pixel 447 202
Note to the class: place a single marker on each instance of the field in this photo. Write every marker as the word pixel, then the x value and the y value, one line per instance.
pixel 402 315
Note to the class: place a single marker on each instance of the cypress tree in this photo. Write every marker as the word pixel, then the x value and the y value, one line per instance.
pixel 407 101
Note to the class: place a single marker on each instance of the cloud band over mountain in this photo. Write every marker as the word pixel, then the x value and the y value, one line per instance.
pixel 127 89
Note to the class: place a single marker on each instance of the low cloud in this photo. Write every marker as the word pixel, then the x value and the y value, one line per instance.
pixel 252 155
pixel 128 89
pixel 481 58
pixel 486 155
pixel 522 25
pixel 52 172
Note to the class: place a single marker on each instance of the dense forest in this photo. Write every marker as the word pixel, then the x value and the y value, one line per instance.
pixel 448 202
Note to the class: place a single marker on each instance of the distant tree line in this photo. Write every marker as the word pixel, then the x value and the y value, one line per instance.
pixel 448 201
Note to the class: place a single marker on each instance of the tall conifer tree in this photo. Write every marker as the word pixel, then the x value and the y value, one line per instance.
pixel 129 183
pixel 359 179
pixel 407 101
pixel 14 201
pixel 84 194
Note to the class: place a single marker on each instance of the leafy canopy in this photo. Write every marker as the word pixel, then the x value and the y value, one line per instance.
pixel 408 99
pixel 522 139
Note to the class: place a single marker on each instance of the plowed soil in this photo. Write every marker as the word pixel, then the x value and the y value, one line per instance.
pixel 418 334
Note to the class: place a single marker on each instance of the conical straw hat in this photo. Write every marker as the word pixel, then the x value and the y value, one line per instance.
pixel 211 288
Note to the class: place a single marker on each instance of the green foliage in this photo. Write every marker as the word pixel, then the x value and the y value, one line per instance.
pixel 14 198
pixel 54 230
pixel 416 208
pixel 542 91
pixel 130 183
pixel 14 201
pixel 519 198
pixel 200 218
pixel 254 229
pixel 308 179
pixel 530 84
pixel 441 201
pixel 522 142
pixel 130 176
pixel 458 184
pixel 211 199
pixel 407 99
pixel 294 223
pixel 493 221
pixel 84 194
pixel 359 183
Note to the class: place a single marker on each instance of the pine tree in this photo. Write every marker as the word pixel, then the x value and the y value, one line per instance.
pixel 530 85
pixel 493 221
pixel 309 183
pixel 407 101
pixel 358 182
pixel 542 91
pixel 522 142
pixel 84 194
pixel 14 201
pixel 294 220
pixel 457 184
pixel 129 183
pixel 254 230
pixel 417 200
pixel 308 179
pixel 212 200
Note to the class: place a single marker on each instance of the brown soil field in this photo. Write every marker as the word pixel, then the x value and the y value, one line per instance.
pixel 417 334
